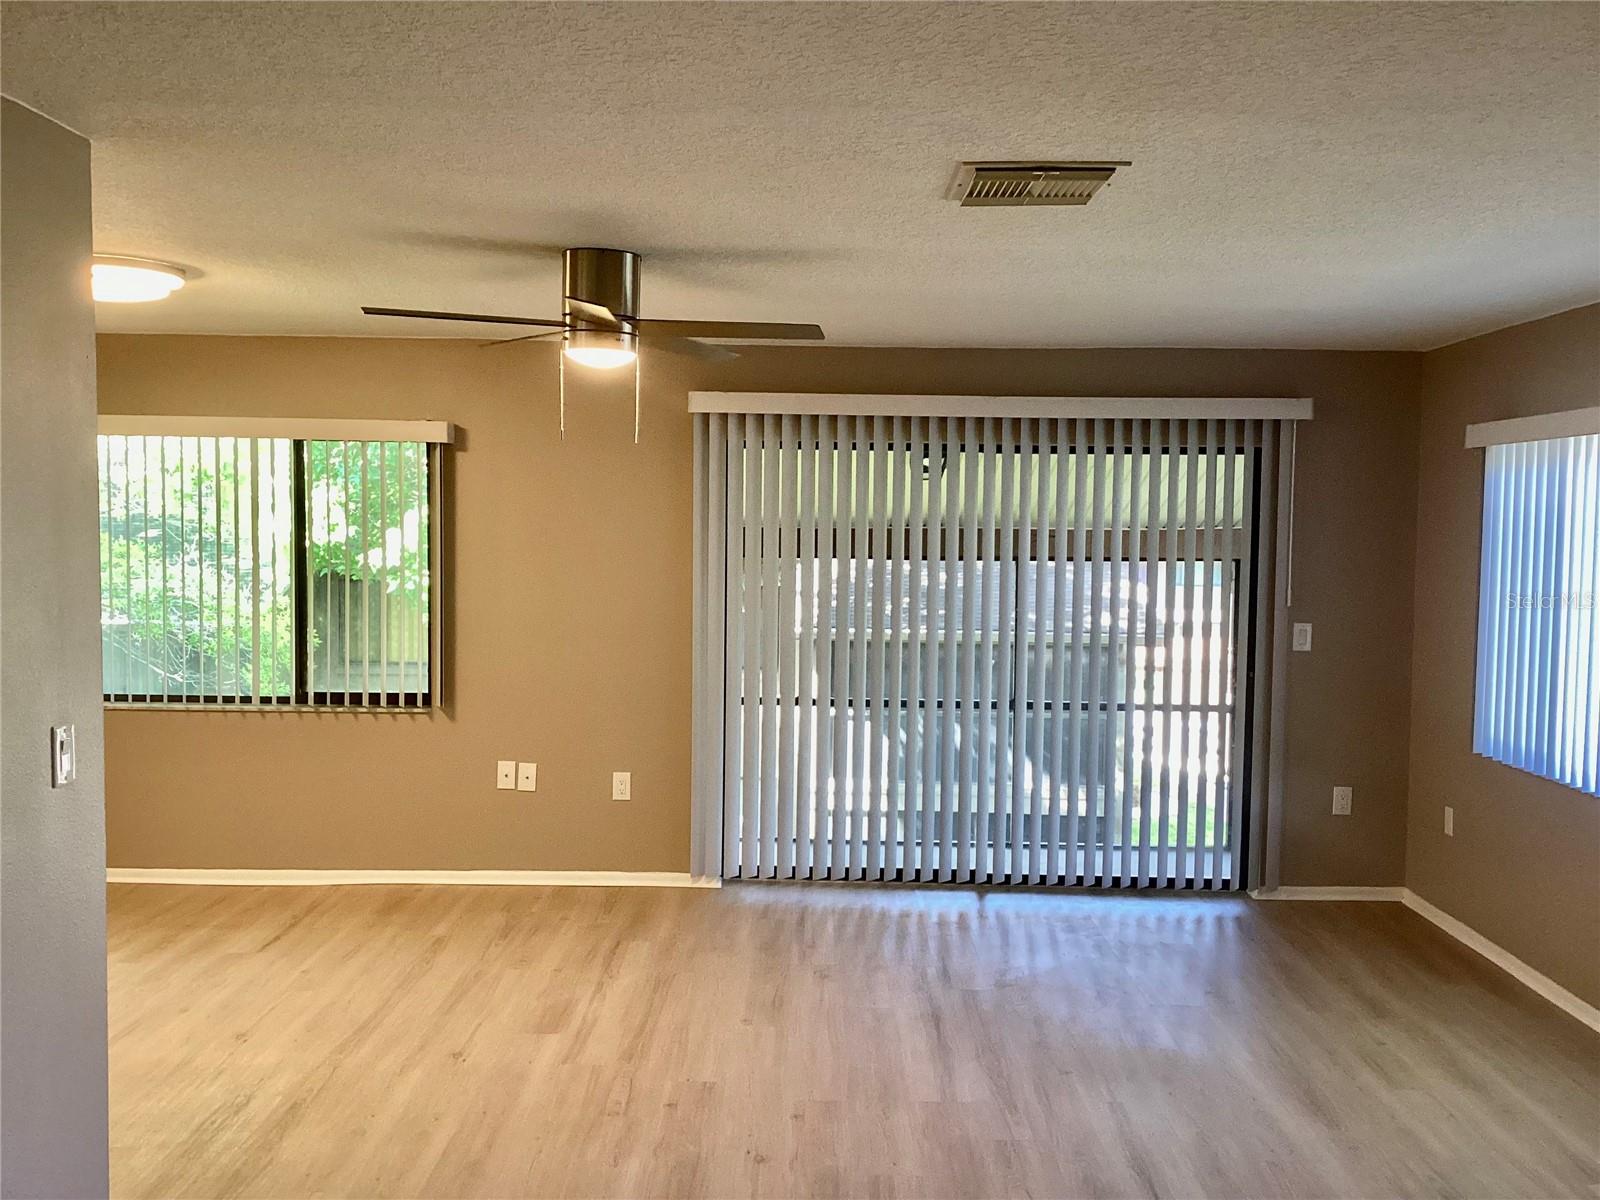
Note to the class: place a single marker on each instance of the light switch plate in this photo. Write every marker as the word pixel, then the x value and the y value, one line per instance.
pixel 527 776
pixel 1342 796
pixel 505 775
pixel 1302 635
pixel 622 785
pixel 63 755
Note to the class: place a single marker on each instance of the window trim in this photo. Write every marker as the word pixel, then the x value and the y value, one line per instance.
pixel 433 436
pixel 1574 422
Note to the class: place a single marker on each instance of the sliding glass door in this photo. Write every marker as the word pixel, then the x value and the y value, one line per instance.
pixel 982 649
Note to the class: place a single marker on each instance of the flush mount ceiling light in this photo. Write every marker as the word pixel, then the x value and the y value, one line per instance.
pixel 600 326
pixel 117 280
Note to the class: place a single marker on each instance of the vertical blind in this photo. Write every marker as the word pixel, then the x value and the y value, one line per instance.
pixel 983 649
pixel 241 570
pixel 1538 682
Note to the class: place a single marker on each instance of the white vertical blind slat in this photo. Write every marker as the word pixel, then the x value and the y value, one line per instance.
pixel 860 498
pixel 1227 690
pixel 1111 834
pixel 1149 786
pixel 806 637
pixel 1005 654
pixel 735 742
pixel 955 707
pixel 988 620
pixel 1036 499
pixel 898 622
pixel 771 636
pixel 788 645
pixel 877 637
pixel 966 683
pixel 1061 715
pixel 918 712
pixel 935 691
pixel 1171 533
pixel 827 623
pixel 1021 773
pixel 1082 459
pixel 1206 819
pixel 1128 862
pixel 1188 663
pixel 754 617
pixel 1095 695
pixel 843 580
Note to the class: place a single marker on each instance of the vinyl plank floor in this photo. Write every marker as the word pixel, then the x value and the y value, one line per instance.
pixel 793 1040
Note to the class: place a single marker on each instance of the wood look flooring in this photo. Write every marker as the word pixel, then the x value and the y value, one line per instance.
pixel 820 1040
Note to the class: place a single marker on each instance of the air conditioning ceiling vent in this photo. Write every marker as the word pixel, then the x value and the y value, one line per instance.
pixel 1017 184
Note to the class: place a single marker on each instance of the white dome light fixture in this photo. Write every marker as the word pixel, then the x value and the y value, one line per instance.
pixel 118 280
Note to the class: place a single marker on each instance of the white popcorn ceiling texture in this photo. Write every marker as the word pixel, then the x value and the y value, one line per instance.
pixel 1306 175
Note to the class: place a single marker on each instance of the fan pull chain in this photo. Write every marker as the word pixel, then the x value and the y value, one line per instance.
pixel 561 387
pixel 636 362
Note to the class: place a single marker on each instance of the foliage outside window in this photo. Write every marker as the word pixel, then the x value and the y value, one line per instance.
pixel 265 571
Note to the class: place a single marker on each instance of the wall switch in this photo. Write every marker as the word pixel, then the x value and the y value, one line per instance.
pixel 527 776
pixel 63 755
pixel 1341 801
pixel 1449 821
pixel 1302 635
pixel 505 775
pixel 621 785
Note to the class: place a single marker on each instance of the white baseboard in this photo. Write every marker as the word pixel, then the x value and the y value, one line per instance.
pixel 1505 960
pixel 1391 894
pixel 1508 962
pixel 242 878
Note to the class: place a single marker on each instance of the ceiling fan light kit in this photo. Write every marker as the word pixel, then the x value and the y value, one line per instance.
pixel 600 326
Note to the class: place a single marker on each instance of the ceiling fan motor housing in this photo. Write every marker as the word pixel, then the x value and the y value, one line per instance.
pixel 601 276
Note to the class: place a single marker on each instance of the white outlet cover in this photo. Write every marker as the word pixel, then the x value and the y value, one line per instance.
pixel 527 777
pixel 1342 797
pixel 1302 636
pixel 621 785
pixel 505 775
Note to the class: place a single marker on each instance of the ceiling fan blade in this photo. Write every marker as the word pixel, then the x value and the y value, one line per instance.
pixel 531 337
pixel 584 310
pixel 744 331
pixel 455 316
pixel 689 349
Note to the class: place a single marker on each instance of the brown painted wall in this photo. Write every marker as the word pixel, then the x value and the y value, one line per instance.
pixel 568 626
pixel 1523 868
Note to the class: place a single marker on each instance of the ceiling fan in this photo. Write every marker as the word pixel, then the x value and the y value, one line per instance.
pixel 600 324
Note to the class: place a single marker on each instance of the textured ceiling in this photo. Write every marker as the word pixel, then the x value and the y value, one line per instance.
pixel 1338 175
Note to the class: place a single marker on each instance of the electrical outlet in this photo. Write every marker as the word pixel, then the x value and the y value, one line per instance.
pixel 505 775
pixel 1302 636
pixel 621 785
pixel 527 776
pixel 1449 821
pixel 1342 796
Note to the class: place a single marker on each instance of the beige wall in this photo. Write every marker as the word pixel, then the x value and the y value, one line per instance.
pixel 1523 868
pixel 569 622
pixel 52 842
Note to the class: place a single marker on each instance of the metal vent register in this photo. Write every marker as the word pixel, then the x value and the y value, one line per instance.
pixel 1013 184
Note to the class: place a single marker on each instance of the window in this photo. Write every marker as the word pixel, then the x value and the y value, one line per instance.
pixel 267 571
pixel 1538 687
